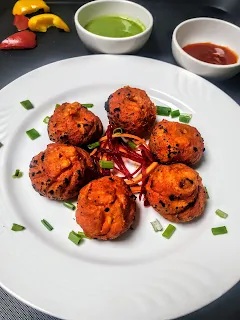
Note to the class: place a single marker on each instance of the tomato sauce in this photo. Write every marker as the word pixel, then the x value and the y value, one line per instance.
pixel 211 53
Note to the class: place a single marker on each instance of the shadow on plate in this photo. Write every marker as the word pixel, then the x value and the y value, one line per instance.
pixel 200 163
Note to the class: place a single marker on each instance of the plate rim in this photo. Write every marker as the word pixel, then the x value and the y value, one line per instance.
pixel 95 57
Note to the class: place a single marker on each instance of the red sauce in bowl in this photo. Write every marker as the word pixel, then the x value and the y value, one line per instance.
pixel 211 53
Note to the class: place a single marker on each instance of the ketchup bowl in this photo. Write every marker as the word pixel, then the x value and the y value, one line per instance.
pixel 208 47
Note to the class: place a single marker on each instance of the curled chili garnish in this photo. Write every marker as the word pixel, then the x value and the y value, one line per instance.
pixel 114 148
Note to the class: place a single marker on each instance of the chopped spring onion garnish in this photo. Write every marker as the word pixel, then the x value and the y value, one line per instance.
pixel 175 113
pixel 69 205
pixel 17 174
pixel 185 117
pixel 57 105
pixel 118 131
pixel 1 145
pixel 47 224
pixel 33 134
pixel 27 104
pixel 17 227
pixel 93 145
pixel 221 214
pixel 131 144
pixel 163 111
pixel 82 235
pixel 156 225
pixel 87 105
pixel 104 164
pixel 219 230
pixel 46 119
pixel 168 232
pixel 206 191
pixel 74 237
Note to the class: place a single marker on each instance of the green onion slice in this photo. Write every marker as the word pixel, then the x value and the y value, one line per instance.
pixel 17 227
pixel 46 119
pixel 47 224
pixel 156 225
pixel 82 235
pixel 168 232
pixel 87 105
pixel 185 117
pixel 219 230
pixel 33 134
pixel 131 144
pixel 57 105
pixel 1 144
pixel 163 111
pixel 104 164
pixel 206 191
pixel 118 131
pixel 221 214
pixel 74 237
pixel 93 145
pixel 69 205
pixel 175 113
pixel 27 104
pixel 17 174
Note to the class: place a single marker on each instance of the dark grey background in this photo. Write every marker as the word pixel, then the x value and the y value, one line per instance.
pixel 55 45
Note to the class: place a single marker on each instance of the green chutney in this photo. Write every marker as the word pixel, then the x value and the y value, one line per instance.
pixel 114 27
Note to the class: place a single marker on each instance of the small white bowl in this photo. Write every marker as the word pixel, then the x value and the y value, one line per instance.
pixel 206 30
pixel 101 44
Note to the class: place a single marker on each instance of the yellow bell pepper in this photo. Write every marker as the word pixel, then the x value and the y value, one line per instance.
pixel 23 7
pixel 44 21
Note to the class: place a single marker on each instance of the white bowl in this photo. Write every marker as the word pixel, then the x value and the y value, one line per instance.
pixel 101 44
pixel 206 30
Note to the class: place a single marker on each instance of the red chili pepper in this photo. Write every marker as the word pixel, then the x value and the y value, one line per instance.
pixel 21 22
pixel 20 40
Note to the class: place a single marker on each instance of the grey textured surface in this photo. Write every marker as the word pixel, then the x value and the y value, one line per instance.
pixel 55 45
pixel 13 309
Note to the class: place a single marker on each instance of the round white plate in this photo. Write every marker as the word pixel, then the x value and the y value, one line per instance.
pixel 142 275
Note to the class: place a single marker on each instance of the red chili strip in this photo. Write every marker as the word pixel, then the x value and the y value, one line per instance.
pixel 122 154
pixel 136 171
pixel 119 162
pixel 147 152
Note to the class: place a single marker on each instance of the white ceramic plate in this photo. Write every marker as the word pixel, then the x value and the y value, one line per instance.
pixel 142 275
